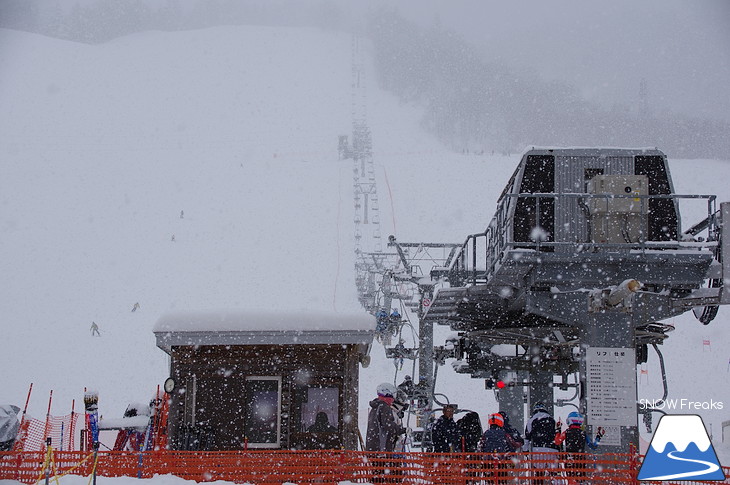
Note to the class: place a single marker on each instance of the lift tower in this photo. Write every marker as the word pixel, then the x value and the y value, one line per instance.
pixel 583 258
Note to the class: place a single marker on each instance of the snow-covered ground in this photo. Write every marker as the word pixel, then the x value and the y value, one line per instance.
pixel 198 171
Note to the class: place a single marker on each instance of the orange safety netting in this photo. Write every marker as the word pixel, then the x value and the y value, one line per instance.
pixel 33 433
pixel 276 467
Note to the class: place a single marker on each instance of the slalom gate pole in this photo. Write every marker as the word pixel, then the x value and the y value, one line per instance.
pixel 71 426
pixel 25 409
pixel 96 457
pixel 47 427
pixel 47 464
pixel 17 443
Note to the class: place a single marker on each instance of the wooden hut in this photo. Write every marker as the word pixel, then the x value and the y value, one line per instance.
pixel 259 380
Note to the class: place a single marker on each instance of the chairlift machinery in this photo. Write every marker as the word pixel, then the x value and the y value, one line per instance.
pixel 567 286
pixel 583 258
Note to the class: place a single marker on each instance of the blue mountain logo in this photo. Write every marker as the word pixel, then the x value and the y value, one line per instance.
pixel 681 449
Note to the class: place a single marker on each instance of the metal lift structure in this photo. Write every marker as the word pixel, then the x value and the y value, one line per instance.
pixel 568 284
pixel 566 288
pixel 395 278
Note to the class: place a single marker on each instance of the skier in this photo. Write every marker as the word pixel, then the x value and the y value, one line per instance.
pixel 399 412
pixel 575 439
pixel 406 389
pixel 382 326
pixel 383 428
pixel 95 329
pixel 470 432
pixel 540 439
pixel 495 441
pixel 445 434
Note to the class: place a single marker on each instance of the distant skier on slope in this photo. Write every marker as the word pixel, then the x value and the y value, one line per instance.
pixel 95 329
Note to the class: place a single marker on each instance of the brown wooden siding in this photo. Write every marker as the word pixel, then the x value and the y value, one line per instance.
pixel 220 374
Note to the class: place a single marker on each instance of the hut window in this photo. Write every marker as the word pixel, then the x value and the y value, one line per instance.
pixel 262 411
pixel 321 400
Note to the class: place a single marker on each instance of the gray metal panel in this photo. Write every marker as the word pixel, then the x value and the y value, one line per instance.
pixel 571 224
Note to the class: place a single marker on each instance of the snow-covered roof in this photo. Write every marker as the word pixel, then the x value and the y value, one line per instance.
pixel 240 327
pixel 592 151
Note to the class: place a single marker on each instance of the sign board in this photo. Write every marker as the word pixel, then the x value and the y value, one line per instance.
pixel 612 436
pixel 611 388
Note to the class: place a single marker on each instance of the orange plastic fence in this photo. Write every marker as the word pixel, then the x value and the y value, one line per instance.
pixel 61 430
pixel 277 467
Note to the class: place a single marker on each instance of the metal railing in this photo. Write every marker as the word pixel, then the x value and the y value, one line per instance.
pixel 483 253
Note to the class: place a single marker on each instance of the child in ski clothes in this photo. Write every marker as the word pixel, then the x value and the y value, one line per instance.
pixel 383 429
pixel 398 464
pixel 399 410
pixel 540 439
pixel 495 438
pixel 496 442
pixel 575 439
pixel 445 433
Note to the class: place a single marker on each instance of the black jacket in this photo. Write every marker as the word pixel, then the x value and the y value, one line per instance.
pixel 383 429
pixel 470 429
pixel 445 436
pixel 495 440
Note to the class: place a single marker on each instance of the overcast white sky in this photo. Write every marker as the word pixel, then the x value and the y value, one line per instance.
pixel 106 145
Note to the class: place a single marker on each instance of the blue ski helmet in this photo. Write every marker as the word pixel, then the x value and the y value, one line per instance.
pixel 575 418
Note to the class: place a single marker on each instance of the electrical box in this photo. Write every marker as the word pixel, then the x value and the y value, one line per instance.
pixel 618 213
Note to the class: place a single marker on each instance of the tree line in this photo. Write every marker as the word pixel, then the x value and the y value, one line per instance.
pixel 473 104
pixel 469 102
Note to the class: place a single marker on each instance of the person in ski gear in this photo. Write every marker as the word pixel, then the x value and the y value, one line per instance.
pixel 383 330
pixel 9 426
pixel 470 432
pixel 496 443
pixel 406 389
pixel 540 439
pixel 382 321
pixel 399 411
pixel 540 430
pixel 513 435
pixel 95 329
pixel 445 434
pixel 494 439
pixel 574 440
pixel 383 429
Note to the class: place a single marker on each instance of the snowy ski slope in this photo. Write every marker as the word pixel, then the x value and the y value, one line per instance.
pixel 198 171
